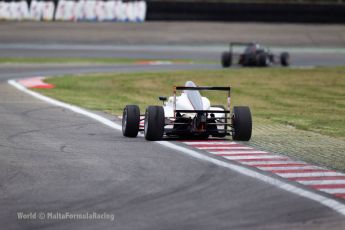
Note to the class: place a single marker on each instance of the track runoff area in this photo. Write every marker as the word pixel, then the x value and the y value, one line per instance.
pixel 313 182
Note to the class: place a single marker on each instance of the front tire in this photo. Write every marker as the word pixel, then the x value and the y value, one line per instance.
pixel 130 121
pixel 154 123
pixel 241 123
pixel 226 59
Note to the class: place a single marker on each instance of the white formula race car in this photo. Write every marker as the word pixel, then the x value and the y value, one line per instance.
pixel 189 116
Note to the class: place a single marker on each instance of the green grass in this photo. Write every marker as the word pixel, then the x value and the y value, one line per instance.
pixel 64 60
pixel 309 99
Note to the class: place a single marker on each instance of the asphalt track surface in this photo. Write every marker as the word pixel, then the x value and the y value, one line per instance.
pixel 53 160
pixel 56 161
pixel 204 52
pixel 13 71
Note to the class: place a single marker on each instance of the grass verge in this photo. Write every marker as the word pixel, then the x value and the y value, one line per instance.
pixel 309 99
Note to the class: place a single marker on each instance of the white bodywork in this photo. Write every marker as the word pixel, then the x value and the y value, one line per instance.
pixel 190 100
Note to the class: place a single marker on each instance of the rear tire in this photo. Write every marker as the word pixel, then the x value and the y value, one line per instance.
pixel 241 123
pixel 130 121
pixel 226 59
pixel 285 59
pixel 154 123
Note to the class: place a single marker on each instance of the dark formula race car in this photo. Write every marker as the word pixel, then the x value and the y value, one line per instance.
pixel 189 115
pixel 253 55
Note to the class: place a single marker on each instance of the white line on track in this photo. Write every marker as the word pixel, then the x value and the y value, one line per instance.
pixel 331 203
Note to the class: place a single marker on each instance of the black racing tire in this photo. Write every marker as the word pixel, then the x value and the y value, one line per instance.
pixel 154 123
pixel 262 59
pixel 225 120
pixel 285 59
pixel 241 119
pixel 226 59
pixel 130 121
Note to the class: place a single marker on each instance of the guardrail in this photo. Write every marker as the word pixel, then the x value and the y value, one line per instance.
pixel 83 10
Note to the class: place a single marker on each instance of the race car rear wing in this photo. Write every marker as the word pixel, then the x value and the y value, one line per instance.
pixel 215 88
pixel 241 43
pixel 201 111
pixel 203 88
pixel 232 44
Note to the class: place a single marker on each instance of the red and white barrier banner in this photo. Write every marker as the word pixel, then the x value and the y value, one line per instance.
pixel 39 10
pixel 67 10
pixel 89 10
pixel 48 9
pixel 36 11
pixel 14 11
pixel 23 10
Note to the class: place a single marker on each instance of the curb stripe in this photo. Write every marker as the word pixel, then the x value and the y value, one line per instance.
pixel 271 169
pixel 320 182
pixel 340 195
pixel 36 82
pixel 237 151
pixel 220 149
pixel 312 176
pixel 260 159
pixel 224 153
pixel 268 162
pixel 218 145
pixel 244 153
pixel 279 165
pixel 213 143
pixel 320 186
pixel 302 171
pixel 333 191
pixel 309 174
pixel 317 178
pixel 241 158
